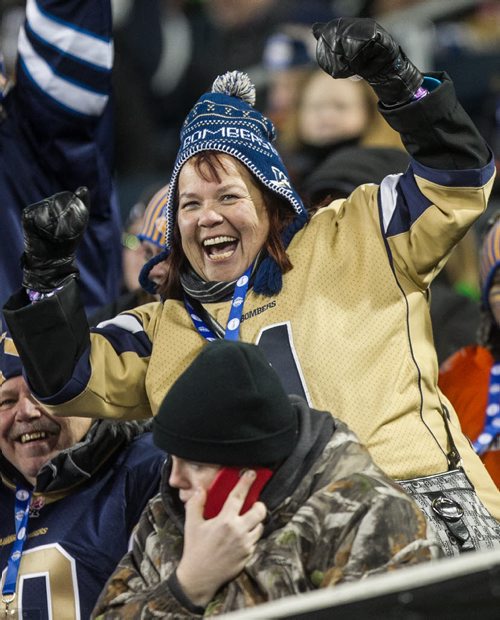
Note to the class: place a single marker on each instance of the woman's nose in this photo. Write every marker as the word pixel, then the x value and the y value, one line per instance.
pixel 209 216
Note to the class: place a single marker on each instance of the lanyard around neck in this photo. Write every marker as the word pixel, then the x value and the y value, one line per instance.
pixel 232 330
pixel 491 427
pixel 21 514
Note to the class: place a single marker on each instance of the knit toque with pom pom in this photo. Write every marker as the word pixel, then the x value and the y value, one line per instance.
pixel 225 120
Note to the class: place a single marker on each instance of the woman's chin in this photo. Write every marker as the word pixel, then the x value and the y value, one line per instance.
pixel 224 270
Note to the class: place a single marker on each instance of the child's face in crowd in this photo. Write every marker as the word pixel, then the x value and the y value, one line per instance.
pixel 331 110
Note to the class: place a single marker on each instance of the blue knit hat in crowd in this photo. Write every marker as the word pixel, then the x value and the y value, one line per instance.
pixel 225 120
pixel 489 258
pixel 10 362
pixel 153 223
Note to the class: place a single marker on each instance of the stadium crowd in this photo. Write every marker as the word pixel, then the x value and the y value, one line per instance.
pixel 250 299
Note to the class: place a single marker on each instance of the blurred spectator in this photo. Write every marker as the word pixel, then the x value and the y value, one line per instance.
pixel 56 134
pixel 142 240
pixel 133 256
pixel 471 377
pixel 80 485
pixel 152 236
pixel 168 53
pixel 11 20
pixel 340 173
pixel 460 37
pixel 468 47
pixel 332 114
pixel 157 76
pixel 288 60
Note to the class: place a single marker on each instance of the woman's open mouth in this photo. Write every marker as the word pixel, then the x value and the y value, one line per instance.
pixel 219 248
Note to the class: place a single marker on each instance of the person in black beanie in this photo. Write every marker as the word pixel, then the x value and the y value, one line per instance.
pixel 229 409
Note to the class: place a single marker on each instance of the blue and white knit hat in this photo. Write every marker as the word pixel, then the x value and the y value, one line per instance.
pixel 225 120
pixel 154 222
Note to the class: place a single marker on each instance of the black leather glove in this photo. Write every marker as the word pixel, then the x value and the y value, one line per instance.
pixel 52 229
pixel 359 46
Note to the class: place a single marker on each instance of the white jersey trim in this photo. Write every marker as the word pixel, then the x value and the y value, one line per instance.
pixel 124 321
pixel 70 95
pixel 69 40
pixel 388 198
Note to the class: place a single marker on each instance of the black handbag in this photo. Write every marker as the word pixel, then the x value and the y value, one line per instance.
pixel 454 512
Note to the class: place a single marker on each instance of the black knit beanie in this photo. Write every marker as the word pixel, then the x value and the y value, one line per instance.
pixel 228 408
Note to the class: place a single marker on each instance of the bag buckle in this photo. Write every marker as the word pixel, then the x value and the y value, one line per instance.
pixel 448 509
pixel 451 513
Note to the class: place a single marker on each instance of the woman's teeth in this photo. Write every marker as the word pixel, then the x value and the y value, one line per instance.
pixel 220 248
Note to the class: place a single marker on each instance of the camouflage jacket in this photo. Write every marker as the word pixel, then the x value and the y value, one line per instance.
pixel 334 517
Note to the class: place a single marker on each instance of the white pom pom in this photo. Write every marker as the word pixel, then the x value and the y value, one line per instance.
pixel 235 84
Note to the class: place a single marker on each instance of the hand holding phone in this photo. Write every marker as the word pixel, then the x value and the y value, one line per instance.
pixel 224 483
pixel 214 553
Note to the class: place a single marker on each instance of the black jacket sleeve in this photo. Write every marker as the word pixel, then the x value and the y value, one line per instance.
pixel 50 336
pixel 437 131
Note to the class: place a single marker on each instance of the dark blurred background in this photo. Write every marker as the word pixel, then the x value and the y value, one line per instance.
pixel 169 51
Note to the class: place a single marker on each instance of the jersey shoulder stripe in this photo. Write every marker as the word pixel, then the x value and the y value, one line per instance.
pixel 125 333
pixel 69 37
pixel 72 97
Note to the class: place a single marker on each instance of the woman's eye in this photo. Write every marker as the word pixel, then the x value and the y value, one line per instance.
pixel 188 205
pixel 229 197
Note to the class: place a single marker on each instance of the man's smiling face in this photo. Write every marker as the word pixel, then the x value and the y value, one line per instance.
pixel 29 435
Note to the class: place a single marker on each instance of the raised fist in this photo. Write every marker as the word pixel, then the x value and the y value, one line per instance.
pixel 53 228
pixel 350 46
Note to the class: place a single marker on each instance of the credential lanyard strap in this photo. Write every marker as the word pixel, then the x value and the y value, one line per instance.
pixel 232 331
pixel 21 515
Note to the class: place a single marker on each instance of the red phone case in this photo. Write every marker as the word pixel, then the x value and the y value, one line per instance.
pixel 224 483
